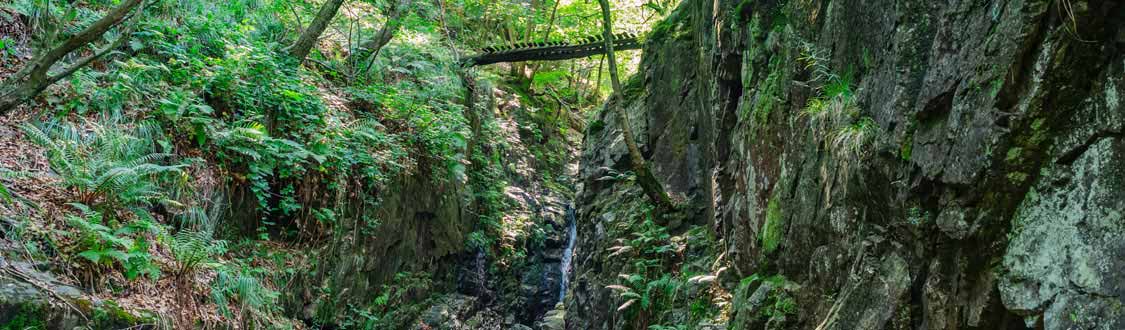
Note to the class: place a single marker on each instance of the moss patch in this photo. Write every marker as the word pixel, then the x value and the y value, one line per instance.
pixel 1013 154
pixel 772 94
pixel 1017 177
pixel 907 146
pixel 771 230
pixel 672 27
pixel 29 316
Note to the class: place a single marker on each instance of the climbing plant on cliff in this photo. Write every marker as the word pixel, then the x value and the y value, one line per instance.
pixel 648 182
pixel 836 118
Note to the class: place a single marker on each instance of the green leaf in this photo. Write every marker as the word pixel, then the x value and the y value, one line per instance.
pixel 116 255
pixel 92 255
pixel 4 194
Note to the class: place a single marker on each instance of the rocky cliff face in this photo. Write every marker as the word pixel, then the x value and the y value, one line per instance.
pixel 936 165
pixel 420 224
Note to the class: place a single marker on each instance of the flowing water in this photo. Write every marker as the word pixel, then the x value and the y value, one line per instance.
pixel 568 253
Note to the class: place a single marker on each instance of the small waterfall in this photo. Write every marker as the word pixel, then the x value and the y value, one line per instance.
pixel 568 253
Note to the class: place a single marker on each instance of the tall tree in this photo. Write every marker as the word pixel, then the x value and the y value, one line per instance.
pixel 37 74
pixel 304 44
pixel 648 182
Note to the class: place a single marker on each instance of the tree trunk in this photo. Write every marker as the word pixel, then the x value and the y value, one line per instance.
pixel 36 76
pixel 648 182
pixel 394 20
pixel 471 112
pixel 519 69
pixel 546 37
pixel 305 43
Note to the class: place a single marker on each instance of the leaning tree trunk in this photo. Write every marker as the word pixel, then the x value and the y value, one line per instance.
pixel 305 42
pixel 37 75
pixel 394 20
pixel 648 182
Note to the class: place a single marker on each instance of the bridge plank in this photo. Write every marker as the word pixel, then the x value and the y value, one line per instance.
pixel 553 53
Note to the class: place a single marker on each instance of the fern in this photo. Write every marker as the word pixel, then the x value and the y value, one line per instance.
pixel 256 302
pixel 107 167
pixel 646 299
pixel 6 195
pixel 105 247
pixel 193 249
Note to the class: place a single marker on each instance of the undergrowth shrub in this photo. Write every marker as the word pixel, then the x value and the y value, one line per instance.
pixel 111 168
pixel 775 307
pixel 106 247
pixel 654 284
pixel 216 73
pixel 256 303
pixel 395 307
pixel 194 249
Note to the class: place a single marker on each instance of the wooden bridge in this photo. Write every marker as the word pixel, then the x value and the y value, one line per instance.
pixel 551 50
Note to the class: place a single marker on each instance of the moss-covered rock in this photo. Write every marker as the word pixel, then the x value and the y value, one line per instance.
pixel 991 196
pixel 24 305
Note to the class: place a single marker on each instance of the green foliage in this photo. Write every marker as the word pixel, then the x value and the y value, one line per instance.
pixel 5 194
pixel 836 118
pixel 193 249
pixel 28 317
pixel 7 48
pixel 651 246
pixel 550 80
pixel 421 90
pixel 110 315
pixel 833 107
pixel 266 159
pixel 646 298
pixel 650 295
pixel 833 112
pixel 779 303
pixel 107 167
pixel 439 128
pixel 395 307
pixel 772 95
pixel 104 246
pixel 917 216
pixel 670 28
pixel 211 79
pixel 256 303
pixel 661 7
pixel 488 182
pixel 596 126
pixel 852 141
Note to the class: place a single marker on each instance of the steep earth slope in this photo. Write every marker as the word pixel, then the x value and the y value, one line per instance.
pixel 891 165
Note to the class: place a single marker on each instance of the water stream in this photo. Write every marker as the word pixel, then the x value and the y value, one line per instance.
pixel 568 253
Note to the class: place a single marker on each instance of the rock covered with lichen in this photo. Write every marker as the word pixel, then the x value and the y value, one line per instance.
pixel 937 165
